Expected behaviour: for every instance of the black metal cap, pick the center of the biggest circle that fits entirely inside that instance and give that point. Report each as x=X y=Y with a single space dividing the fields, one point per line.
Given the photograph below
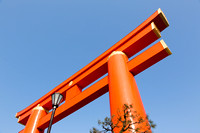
x=56 y=99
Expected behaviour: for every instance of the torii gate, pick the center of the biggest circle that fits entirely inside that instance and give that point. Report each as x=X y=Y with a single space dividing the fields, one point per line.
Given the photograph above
x=120 y=81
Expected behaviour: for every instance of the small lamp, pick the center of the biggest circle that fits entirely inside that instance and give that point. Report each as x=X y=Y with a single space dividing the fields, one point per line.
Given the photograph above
x=56 y=99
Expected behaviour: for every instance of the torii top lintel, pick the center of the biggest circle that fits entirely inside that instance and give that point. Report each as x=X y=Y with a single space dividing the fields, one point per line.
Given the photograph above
x=142 y=36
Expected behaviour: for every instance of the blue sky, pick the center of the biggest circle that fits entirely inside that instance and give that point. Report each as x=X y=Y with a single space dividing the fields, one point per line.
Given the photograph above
x=42 y=43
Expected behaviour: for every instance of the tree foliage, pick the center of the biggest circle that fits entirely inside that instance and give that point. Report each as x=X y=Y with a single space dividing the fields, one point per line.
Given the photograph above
x=125 y=120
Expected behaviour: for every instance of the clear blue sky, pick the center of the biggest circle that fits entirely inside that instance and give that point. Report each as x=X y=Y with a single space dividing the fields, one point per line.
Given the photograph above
x=43 y=42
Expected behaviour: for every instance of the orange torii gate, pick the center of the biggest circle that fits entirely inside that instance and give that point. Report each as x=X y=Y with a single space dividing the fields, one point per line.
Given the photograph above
x=120 y=80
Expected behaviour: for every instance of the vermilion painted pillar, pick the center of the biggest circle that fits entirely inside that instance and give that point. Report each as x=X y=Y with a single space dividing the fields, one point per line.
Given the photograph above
x=122 y=88
x=31 y=126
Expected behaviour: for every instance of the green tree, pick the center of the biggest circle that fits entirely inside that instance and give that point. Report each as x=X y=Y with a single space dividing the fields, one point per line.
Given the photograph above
x=124 y=121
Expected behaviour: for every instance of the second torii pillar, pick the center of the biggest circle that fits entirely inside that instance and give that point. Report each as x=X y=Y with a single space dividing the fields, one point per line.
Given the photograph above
x=31 y=126
x=123 y=88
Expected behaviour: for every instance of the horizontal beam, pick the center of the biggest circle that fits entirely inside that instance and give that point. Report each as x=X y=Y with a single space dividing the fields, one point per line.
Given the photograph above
x=92 y=71
x=148 y=58
x=158 y=51
x=131 y=47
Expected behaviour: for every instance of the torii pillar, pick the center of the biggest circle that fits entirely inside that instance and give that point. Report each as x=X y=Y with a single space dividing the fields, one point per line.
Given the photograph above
x=123 y=89
x=31 y=126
